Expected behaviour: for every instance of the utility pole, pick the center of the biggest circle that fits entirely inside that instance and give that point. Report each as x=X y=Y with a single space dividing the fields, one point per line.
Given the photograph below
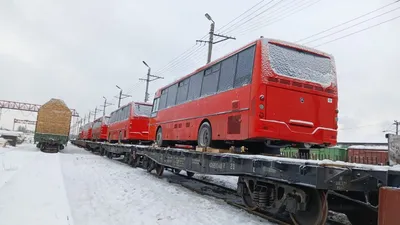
x=95 y=113
x=148 y=80
x=397 y=126
x=106 y=104
x=211 y=38
x=121 y=96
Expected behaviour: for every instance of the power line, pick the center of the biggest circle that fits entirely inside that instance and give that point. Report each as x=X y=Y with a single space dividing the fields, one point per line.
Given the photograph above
x=276 y=11
x=356 y=32
x=314 y=40
x=227 y=30
x=262 y=12
x=221 y=29
x=277 y=19
x=347 y=21
x=189 y=51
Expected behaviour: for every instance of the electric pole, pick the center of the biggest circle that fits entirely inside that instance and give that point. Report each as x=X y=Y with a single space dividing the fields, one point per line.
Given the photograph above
x=148 y=80
x=397 y=126
x=106 y=104
x=95 y=113
x=121 y=96
x=211 y=38
x=90 y=113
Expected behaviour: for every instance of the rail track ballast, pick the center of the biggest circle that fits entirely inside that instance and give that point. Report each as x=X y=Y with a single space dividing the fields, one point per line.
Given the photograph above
x=302 y=191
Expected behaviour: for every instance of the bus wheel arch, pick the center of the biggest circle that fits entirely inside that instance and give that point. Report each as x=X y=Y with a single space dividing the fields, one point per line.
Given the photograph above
x=204 y=134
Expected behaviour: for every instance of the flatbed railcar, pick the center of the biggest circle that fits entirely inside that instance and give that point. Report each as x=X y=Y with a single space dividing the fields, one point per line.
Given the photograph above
x=301 y=189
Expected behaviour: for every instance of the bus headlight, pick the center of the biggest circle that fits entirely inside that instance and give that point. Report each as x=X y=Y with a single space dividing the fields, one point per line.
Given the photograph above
x=261 y=106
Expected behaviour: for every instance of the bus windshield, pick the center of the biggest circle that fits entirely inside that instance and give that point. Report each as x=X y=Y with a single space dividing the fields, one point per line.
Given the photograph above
x=302 y=65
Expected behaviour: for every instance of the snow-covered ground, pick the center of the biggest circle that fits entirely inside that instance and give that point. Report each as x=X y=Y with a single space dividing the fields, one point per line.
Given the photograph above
x=76 y=187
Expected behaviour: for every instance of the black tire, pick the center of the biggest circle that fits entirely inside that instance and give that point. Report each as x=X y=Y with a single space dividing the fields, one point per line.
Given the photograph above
x=204 y=136
x=159 y=140
x=120 y=138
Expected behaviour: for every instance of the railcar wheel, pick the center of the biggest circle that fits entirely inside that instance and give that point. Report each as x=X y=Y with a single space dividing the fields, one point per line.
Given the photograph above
x=127 y=158
x=176 y=171
x=159 y=170
x=151 y=166
x=246 y=196
x=189 y=174
x=204 y=136
x=317 y=210
x=135 y=161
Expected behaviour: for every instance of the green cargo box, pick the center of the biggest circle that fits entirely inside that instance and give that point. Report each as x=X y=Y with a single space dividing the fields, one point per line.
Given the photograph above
x=294 y=153
x=334 y=154
x=45 y=138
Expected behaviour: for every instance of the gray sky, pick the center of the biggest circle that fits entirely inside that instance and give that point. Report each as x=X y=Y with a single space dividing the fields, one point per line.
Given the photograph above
x=79 y=50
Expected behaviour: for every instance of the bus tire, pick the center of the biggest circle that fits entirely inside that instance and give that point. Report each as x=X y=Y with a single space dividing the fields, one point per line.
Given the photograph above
x=159 y=140
x=120 y=137
x=204 y=136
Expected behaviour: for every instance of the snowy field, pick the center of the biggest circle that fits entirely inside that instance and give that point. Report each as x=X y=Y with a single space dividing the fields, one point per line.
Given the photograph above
x=76 y=187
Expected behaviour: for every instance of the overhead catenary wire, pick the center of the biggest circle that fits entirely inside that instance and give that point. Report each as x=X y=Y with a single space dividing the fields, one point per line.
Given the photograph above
x=178 y=64
x=358 y=17
x=186 y=54
x=356 y=32
x=257 y=15
x=354 y=25
x=268 y=23
x=248 y=10
x=275 y=11
x=227 y=29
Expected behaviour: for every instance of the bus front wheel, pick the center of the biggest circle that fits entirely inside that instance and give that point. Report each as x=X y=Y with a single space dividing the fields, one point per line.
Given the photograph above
x=204 y=135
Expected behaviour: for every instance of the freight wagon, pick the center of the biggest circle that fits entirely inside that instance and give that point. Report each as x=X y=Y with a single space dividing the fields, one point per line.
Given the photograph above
x=298 y=191
x=52 y=126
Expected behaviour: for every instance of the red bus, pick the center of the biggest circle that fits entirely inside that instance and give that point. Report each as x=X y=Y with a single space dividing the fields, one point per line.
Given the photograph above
x=268 y=93
x=87 y=131
x=130 y=123
x=100 y=129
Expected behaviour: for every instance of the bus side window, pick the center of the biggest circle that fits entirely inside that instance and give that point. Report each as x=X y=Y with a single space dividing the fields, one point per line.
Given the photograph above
x=183 y=87
x=228 y=70
x=172 y=91
x=210 y=80
x=195 y=86
x=163 y=99
x=244 y=67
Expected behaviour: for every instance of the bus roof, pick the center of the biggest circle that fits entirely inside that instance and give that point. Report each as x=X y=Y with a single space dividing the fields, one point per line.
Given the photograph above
x=129 y=103
x=275 y=41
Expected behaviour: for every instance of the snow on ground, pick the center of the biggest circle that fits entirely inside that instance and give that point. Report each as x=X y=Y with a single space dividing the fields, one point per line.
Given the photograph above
x=76 y=187
x=225 y=181
x=32 y=189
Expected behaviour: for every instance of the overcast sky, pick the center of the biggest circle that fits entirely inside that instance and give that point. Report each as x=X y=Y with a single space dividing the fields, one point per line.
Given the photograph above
x=79 y=50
